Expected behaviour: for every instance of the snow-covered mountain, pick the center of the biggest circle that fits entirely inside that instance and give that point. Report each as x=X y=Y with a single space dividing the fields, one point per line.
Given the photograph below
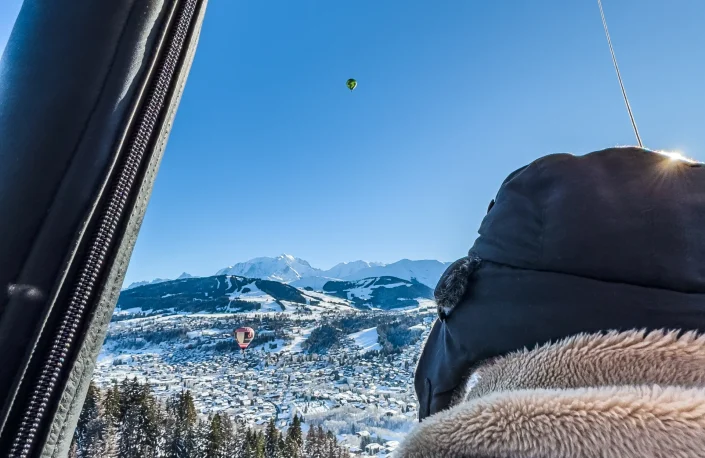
x=289 y=269
x=284 y=268
x=379 y=292
x=228 y=294
x=299 y=273
x=345 y=269
x=316 y=283
x=223 y=294
x=156 y=281
x=427 y=272
x=144 y=283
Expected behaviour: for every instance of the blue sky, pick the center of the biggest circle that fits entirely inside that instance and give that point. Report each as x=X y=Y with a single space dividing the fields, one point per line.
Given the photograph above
x=270 y=152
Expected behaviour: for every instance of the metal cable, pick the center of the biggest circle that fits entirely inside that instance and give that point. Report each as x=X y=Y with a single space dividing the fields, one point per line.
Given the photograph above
x=619 y=76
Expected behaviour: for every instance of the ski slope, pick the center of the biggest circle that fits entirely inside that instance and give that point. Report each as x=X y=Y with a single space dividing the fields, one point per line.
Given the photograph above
x=367 y=340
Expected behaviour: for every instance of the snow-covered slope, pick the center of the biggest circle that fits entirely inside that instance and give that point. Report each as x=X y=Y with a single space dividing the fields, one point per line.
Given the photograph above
x=367 y=339
x=143 y=283
x=232 y=294
x=284 y=268
x=427 y=272
x=137 y=284
x=315 y=283
x=380 y=292
x=345 y=269
x=224 y=294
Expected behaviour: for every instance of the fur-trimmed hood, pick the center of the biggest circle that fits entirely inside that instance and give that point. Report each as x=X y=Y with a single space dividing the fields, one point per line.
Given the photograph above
x=621 y=395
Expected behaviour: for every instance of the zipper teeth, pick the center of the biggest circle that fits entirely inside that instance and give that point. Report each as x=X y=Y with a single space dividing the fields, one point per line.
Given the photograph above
x=102 y=241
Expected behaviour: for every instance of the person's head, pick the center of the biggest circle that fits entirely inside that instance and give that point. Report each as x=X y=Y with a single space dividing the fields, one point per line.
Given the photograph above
x=613 y=240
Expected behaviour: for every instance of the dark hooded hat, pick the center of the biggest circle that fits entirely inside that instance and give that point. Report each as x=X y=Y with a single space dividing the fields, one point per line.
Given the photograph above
x=612 y=240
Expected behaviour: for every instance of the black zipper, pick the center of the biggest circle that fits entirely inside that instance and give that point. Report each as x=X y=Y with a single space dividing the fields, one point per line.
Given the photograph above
x=101 y=244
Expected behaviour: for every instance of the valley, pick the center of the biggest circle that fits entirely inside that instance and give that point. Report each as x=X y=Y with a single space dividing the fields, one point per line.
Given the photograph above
x=341 y=355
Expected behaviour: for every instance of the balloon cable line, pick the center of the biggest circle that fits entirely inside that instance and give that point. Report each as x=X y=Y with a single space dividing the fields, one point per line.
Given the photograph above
x=619 y=76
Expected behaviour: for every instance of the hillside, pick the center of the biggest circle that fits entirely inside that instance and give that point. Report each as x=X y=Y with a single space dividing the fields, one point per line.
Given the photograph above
x=379 y=292
x=427 y=272
x=213 y=294
x=137 y=284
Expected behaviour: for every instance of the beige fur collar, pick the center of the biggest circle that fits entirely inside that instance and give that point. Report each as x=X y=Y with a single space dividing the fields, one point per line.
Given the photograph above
x=628 y=395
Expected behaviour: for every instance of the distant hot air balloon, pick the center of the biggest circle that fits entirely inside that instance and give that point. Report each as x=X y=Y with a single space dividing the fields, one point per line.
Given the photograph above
x=351 y=84
x=244 y=336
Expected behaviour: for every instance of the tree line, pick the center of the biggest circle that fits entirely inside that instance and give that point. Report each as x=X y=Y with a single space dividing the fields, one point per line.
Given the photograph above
x=127 y=421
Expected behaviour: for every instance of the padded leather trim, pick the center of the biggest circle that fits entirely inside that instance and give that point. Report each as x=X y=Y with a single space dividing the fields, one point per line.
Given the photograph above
x=71 y=403
x=61 y=115
x=72 y=99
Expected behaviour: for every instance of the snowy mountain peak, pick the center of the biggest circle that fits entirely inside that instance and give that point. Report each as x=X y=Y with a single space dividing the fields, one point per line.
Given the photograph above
x=184 y=276
x=143 y=283
x=284 y=268
x=287 y=269
x=345 y=269
x=292 y=259
x=427 y=272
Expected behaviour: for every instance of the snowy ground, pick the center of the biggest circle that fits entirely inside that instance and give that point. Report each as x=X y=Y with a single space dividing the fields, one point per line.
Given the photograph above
x=364 y=289
x=367 y=340
x=300 y=335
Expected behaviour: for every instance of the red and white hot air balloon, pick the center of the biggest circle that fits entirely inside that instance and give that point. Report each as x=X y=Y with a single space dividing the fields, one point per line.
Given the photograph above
x=244 y=336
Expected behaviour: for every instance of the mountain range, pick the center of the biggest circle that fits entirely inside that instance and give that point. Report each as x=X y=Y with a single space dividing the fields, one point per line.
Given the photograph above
x=157 y=280
x=286 y=283
x=299 y=272
x=231 y=294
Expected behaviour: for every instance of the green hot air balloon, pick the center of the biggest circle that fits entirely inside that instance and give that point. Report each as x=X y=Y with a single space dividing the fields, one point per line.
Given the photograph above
x=351 y=84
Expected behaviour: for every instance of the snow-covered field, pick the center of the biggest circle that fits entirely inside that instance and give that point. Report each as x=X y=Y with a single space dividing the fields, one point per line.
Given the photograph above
x=364 y=289
x=367 y=340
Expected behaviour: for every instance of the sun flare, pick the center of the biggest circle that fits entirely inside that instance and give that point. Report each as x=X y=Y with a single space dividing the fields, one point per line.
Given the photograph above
x=676 y=156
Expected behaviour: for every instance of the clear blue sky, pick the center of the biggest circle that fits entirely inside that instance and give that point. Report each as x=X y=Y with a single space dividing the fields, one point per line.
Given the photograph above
x=270 y=152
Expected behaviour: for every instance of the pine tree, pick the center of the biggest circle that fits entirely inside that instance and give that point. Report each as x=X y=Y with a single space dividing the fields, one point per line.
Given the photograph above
x=248 y=446
x=218 y=439
x=331 y=445
x=139 y=429
x=260 y=445
x=128 y=393
x=201 y=442
x=294 y=439
x=180 y=424
x=90 y=433
x=312 y=443
x=232 y=438
x=283 y=448
x=111 y=404
x=321 y=436
x=151 y=420
x=272 y=440
x=111 y=410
